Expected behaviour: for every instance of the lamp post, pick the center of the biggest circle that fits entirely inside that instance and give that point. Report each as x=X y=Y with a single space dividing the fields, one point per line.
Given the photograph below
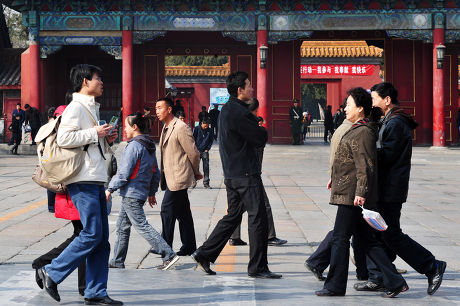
x=440 y=51
x=263 y=56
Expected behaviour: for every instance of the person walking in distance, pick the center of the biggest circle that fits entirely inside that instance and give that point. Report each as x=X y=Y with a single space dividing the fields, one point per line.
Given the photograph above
x=86 y=190
x=180 y=163
x=19 y=111
x=137 y=179
x=394 y=150
x=328 y=123
x=214 y=116
x=32 y=117
x=240 y=135
x=204 y=138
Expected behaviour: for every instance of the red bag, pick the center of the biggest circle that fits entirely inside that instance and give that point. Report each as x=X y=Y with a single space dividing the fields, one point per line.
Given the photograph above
x=64 y=208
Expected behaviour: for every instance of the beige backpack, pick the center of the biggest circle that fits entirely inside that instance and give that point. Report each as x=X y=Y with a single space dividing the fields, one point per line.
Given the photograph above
x=59 y=164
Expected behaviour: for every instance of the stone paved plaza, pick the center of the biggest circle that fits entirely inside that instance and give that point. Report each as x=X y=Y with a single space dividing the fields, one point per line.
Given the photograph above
x=295 y=178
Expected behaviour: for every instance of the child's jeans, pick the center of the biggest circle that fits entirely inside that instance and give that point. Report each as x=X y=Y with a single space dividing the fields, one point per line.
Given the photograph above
x=132 y=213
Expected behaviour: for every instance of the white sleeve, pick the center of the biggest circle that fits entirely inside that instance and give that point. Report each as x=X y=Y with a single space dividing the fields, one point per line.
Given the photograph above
x=70 y=133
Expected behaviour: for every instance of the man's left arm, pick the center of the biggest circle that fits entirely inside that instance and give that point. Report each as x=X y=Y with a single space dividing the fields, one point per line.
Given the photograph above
x=186 y=140
x=209 y=140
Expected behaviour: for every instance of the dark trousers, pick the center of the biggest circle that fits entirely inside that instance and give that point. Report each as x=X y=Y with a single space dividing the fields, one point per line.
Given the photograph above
x=296 y=133
x=214 y=128
x=349 y=220
x=46 y=259
x=243 y=194
x=51 y=200
x=205 y=158
x=419 y=258
x=33 y=133
x=16 y=139
x=328 y=129
x=321 y=258
x=270 y=223
x=176 y=206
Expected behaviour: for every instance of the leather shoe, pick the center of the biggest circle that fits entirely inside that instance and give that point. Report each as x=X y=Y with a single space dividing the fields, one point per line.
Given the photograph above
x=368 y=286
x=183 y=253
x=319 y=275
x=394 y=292
x=276 y=241
x=435 y=277
x=325 y=292
x=266 y=274
x=106 y=300
x=204 y=264
x=49 y=284
x=236 y=241
x=38 y=279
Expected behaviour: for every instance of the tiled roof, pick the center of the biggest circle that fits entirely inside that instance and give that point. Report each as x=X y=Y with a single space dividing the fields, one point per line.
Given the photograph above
x=203 y=71
x=10 y=67
x=339 y=49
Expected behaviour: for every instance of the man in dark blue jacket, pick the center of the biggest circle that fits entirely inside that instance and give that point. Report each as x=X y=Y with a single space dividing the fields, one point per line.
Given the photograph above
x=204 y=136
x=239 y=135
x=20 y=112
x=394 y=152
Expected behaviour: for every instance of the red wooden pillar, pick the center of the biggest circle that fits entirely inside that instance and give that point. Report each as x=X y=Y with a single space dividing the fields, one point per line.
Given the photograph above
x=262 y=40
x=34 y=62
x=438 y=91
x=127 y=75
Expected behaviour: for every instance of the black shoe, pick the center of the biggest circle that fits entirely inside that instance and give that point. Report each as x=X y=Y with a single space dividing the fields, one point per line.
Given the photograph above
x=38 y=279
x=204 y=264
x=319 y=275
x=207 y=187
x=266 y=274
x=49 y=284
x=183 y=253
x=435 y=278
x=325 y=292
x=106 y=300
x=276 y=241
x=368 y=286
x=362 y=277
x=394 y=292
x=236 y=241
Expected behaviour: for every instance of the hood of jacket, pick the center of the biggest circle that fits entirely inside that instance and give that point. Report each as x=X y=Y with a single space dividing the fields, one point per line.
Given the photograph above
x=146 y=141
x=398 y=111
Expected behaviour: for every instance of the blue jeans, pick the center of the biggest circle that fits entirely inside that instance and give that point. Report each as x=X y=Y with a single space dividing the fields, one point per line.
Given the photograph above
x=132 y=213
x=91 y=245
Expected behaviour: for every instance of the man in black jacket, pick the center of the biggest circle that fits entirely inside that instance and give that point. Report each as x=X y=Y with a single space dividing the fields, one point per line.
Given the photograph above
x=239 y=135
x=33 y=119
x=328 y=123
x=394 y=152
x=295 y=121
x=204 y=137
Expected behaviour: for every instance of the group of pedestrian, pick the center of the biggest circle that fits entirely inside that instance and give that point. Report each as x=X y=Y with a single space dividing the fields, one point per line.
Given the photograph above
x=21 y=119
x=370 y=168
x=360 y=149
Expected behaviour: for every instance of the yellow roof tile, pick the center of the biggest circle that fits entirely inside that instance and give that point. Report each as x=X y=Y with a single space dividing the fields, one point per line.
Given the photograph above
x=357 y=48
x=206 y=71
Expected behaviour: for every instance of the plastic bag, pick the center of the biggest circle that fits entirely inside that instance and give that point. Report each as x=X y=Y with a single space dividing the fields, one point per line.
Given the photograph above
x=27 y=128
x=374 y=219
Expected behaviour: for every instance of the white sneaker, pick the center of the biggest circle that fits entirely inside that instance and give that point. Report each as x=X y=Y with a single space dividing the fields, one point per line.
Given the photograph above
x=169 y=263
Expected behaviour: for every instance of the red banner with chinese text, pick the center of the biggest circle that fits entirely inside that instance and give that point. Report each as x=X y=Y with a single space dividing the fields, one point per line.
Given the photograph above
x=334 y=70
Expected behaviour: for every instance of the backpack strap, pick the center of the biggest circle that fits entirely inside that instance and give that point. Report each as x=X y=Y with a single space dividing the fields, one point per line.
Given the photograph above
x=95 y=124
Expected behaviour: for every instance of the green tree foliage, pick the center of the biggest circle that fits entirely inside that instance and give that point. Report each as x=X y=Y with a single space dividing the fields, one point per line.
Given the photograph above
x=312 y=96
x=17 y=31
x=195 y=60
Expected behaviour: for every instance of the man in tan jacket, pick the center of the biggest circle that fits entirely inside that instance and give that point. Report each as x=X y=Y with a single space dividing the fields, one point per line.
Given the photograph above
x=180 y=161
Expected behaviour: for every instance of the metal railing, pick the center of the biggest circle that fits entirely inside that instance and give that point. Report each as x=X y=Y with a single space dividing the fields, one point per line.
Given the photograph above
x=315 y=130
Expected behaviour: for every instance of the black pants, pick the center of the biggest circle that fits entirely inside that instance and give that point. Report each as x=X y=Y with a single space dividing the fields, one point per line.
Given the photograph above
x=51 y=200
x=243 y=194
x=17 y=138
x=214 y=129
x=33 y=133
x=270 y=223
x=46 y=259
x=205 y=158
x=419 y=258
x=321 y=258
x=296 y=133
x=349 y=220
x=328 y=129
x=176 y=206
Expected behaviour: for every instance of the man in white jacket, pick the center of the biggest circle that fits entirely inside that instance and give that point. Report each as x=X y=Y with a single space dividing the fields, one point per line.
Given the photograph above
x=79 y=128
